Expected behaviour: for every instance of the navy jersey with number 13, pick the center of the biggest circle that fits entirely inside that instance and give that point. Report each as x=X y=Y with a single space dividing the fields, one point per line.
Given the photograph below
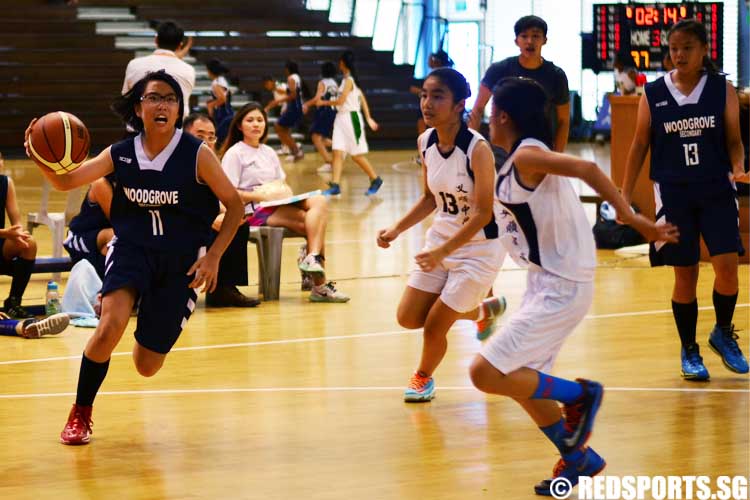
x=160 y=203
x=687 y=132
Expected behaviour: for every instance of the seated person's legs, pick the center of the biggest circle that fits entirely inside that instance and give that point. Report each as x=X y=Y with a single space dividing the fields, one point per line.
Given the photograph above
x=18 y=255
x=232 y=271
x=309 y=217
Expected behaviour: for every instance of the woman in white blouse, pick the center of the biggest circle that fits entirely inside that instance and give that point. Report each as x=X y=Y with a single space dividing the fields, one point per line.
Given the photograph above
x=254 y=169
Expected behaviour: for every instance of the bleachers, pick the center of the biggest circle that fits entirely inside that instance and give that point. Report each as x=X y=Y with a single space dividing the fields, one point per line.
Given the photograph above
x=56 y=60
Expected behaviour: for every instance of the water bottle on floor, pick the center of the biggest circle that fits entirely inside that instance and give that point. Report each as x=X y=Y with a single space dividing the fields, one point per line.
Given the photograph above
x=52 y=304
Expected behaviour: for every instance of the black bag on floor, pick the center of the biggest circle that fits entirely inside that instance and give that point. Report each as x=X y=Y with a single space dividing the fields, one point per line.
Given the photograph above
x=609 y=234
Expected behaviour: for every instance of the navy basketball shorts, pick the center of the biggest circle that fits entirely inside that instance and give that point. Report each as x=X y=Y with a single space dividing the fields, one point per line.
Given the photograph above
x=160 y=281
x=82 y=246
x=707 y=209
x=323 y=121
x=292 y=116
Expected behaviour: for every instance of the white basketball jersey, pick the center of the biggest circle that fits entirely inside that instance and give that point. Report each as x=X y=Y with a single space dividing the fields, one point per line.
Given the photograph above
x=546 y=226
x=352 y=100
x=451 y=181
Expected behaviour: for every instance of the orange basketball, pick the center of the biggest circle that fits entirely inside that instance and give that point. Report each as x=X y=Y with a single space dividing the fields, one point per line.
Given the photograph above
x=59 y=141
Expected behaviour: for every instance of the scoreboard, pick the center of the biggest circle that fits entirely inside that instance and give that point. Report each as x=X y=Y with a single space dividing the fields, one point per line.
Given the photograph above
x=641 y=29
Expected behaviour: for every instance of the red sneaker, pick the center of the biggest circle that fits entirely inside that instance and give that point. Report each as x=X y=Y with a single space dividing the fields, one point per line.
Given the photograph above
x=78 y=428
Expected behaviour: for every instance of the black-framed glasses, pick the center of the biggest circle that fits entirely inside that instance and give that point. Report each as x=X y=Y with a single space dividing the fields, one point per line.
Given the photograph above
x=155 y=99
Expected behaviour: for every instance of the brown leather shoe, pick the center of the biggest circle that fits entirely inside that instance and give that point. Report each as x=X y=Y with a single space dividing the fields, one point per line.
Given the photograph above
x=229 y=296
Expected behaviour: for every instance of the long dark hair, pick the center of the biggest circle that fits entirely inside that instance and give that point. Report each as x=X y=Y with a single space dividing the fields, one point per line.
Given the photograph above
x=347 y=57
x=235 y=130
x=698 y=30
x=125 y=104
x=527 y=103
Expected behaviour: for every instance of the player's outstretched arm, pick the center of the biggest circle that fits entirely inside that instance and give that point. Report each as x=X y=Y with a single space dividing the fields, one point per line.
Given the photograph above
x=89 y=171
x=540 y=161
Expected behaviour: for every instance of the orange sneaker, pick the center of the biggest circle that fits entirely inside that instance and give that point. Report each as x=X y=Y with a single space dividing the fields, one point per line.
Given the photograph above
x=419 y=389
x=78 y=428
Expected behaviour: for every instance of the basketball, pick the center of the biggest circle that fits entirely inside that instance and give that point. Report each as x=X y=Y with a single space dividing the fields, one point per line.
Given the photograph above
x=59 y=141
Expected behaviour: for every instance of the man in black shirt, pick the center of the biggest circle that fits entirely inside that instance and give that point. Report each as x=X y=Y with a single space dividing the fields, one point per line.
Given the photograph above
x=531 y=35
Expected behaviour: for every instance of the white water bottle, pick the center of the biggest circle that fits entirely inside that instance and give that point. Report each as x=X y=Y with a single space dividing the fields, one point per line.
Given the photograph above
x=52 y=304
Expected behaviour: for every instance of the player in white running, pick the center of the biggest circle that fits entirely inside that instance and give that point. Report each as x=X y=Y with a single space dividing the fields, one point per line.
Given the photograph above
x=462 y=255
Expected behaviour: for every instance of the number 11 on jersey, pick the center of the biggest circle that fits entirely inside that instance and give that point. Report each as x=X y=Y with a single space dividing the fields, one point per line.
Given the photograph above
x=691 y=154
x=156 y=224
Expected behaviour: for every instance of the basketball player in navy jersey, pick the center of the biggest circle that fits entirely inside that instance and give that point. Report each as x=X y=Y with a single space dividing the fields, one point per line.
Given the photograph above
x=90 y=231
x=462 y=256
x=168 y=183
x=690 y=120
x=538 y=213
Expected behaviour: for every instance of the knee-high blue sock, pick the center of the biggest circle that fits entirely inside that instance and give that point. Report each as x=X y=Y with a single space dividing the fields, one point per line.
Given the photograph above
x=559 y=389
x=555 y=433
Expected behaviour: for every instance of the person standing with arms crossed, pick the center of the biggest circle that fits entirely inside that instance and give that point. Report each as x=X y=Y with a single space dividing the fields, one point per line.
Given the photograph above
x=689 y=118
x=168 y=189
x=531 y=36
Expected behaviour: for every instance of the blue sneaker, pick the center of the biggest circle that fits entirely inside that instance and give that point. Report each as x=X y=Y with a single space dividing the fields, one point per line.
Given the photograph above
x=494 y=307
x=724 y=343
x=580 y=415
x=333 y=190
x=692 y=364
x=420 y=389
x=374 y=186
x=565 y=475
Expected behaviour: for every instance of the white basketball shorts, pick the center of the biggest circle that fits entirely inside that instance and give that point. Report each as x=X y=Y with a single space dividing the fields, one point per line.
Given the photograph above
x=550 y=310
x=465 y=276
x=349 y=133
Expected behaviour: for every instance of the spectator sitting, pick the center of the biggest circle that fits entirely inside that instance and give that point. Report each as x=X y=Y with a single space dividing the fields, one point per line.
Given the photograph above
x=18 y=249
x=90 y=232
x=252 y=167
x=233 y=264
x=170 y=41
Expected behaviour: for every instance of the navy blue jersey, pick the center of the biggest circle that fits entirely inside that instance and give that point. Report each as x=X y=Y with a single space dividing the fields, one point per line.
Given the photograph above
x=160 y=203
x=90 y=217
x=687 y=132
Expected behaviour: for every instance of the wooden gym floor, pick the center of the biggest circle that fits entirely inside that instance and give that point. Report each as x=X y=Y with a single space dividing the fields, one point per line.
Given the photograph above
x=300 y=400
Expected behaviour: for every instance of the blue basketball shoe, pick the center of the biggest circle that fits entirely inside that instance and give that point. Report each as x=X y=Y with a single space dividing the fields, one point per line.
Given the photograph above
x=723 y=341
x=565 y=475
x=580 y=414
x=374 y=186
x=692 y=364
x=420 y=389
x=334 y=189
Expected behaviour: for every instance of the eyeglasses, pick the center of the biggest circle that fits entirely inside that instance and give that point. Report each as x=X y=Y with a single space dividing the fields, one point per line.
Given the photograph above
x=211 y=139
x=155 y=99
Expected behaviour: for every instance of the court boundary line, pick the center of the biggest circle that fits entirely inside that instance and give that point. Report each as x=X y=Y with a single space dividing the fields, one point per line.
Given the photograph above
x=323 y=339
x=250 y=390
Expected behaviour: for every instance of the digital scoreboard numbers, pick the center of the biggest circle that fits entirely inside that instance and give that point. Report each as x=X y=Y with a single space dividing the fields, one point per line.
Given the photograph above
x=641 y=29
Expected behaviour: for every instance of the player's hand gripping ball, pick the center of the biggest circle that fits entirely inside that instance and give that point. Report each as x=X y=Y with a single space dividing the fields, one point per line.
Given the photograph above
x=59 y=141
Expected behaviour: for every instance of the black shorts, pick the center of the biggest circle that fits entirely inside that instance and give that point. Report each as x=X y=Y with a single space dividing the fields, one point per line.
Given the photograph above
x=323 y=121
x=292 y=116
x=82 y=246
x=707 y=209
x=160 y=280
